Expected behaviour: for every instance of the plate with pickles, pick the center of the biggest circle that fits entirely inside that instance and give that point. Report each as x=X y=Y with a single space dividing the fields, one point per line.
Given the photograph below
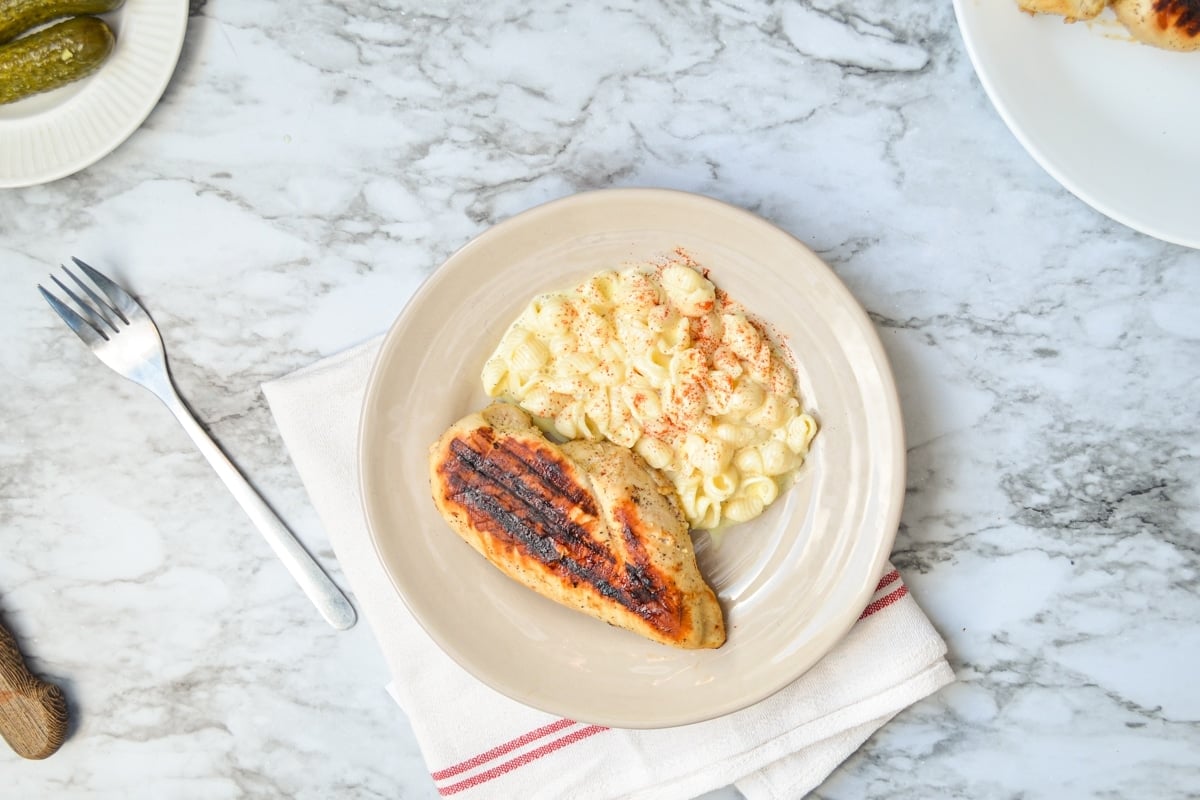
x=77 y=77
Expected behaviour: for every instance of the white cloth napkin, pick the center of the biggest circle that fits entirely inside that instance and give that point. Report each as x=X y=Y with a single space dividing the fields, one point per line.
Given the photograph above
x=479 y=744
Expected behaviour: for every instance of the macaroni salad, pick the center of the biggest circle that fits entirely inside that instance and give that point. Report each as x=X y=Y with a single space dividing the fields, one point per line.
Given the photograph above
x=662 y=362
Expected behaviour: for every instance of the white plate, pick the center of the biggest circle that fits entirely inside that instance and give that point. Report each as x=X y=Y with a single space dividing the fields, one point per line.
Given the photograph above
x=55 y=134
x=791 y=582
x=1114 y=121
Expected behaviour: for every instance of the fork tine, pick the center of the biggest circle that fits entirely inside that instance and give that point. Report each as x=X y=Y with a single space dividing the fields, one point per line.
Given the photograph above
x=101 y=306
x=120 y=298
x=97 y=318
x=83 y=329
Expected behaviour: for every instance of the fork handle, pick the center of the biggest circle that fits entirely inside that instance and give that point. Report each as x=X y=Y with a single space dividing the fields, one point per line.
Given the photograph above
x=322 y=591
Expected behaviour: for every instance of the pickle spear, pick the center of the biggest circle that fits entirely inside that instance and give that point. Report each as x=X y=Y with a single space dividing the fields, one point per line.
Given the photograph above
x=53 y=57
x=18 y=16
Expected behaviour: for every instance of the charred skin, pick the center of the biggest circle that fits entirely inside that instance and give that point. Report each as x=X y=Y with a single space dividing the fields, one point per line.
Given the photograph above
x=533 y=511
x=1170 y=24
x=522 y=497
x=1183 y=15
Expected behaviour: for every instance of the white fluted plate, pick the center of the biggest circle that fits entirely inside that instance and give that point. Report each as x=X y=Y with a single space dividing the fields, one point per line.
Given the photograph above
x=791 y=582
x=56 y=134
x=1115 y=122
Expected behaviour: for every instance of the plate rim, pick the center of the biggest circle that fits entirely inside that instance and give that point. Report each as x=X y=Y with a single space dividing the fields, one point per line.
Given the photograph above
x=982 y=69
x=153 y=90
x=889 y=392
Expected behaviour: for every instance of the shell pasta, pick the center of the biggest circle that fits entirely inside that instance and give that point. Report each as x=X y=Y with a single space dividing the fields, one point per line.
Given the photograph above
x=660 y=361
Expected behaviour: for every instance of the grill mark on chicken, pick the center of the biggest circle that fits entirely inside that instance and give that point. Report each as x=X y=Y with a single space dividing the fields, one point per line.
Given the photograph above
x=504 y=470
x=524 y=497
x=520 y=458
x=639 y=570
x=1183 y=15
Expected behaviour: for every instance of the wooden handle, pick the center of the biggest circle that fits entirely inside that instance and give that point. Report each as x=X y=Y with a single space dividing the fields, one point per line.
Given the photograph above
x=33 y=713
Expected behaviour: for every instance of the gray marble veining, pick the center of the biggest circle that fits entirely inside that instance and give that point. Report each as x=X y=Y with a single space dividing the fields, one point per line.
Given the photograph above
x=309 y=165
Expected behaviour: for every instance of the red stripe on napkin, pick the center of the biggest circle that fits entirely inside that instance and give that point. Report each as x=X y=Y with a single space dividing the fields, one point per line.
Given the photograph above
x=891 y=577
x=884 y=602
x=507 y=747
x=520 y=761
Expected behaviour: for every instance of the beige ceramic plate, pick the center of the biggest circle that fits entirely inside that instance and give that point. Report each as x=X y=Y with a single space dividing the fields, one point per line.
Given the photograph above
x=55 y=134
x=791 y=582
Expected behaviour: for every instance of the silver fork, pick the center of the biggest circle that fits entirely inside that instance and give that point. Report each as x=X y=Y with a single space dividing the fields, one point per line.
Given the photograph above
x=123 y=336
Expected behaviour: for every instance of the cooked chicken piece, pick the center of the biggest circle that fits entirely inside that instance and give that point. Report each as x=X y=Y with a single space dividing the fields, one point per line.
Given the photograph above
x=1170 y=24
x=1071 y=9
x=586 y=524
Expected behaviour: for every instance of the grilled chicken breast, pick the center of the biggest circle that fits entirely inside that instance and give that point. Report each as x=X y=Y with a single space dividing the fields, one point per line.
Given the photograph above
x=1170 y=24
x=586 y=524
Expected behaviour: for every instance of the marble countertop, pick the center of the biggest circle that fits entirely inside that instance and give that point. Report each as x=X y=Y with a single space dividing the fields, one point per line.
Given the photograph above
x=310 y=164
